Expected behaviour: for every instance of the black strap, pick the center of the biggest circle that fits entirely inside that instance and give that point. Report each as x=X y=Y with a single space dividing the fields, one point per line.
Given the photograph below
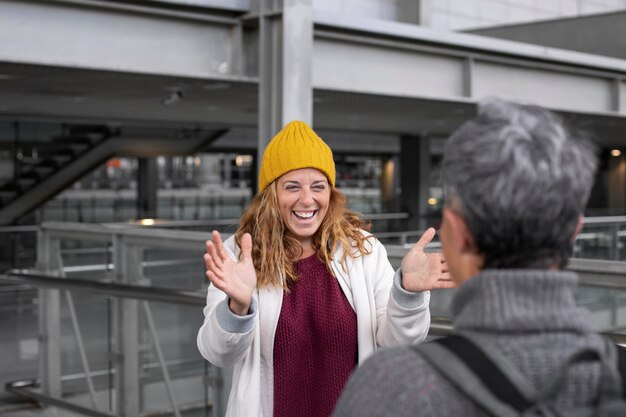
x=621 y=365
x=488 y=373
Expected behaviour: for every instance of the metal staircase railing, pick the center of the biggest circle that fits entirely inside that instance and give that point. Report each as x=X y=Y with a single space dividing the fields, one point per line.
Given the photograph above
x=79 y=154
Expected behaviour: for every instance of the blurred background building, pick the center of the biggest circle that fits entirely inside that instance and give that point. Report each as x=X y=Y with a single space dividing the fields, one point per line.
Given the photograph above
x=128 y=129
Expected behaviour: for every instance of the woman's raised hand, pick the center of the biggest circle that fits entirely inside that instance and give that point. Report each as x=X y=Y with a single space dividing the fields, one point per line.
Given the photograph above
x=423 y=271
x=236 y=279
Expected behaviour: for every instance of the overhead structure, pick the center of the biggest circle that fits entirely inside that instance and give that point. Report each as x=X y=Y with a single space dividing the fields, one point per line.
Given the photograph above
x=219 y=64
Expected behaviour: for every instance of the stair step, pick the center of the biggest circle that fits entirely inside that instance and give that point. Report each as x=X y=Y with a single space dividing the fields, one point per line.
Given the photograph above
x=75 y=140
x=79 y=148
x=43 y=170
x=62 y=158
x=91 y=130
x=11 y=187
x=8 y=193
x=26 y=183
x=48 y=163
x=31 y=174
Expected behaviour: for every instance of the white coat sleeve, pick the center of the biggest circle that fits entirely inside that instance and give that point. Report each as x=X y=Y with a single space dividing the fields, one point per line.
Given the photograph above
x=224 y=337
x=403 y=317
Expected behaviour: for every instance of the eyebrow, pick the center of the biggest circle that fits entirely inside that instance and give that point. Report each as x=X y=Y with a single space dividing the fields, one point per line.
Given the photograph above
x=316 y=182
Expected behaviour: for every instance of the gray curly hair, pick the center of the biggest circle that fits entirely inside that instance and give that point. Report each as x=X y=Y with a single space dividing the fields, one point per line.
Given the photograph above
x=520 y=178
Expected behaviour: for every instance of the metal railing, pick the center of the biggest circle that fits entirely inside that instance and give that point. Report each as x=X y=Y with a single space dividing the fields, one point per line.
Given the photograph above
x=132 y=333
x=106 y=289
x=118 y=264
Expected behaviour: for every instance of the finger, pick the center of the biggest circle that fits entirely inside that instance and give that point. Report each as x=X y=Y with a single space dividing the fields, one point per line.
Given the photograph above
x=212 y=252
x=246 y=247
x=428 y=235
x=211 y=266
x=219 y=246
x=207 y=261
x=219 y=284
x=444 y=284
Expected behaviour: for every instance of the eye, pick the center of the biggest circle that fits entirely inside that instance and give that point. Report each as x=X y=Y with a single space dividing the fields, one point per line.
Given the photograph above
x=319 y=187
x=291 y=187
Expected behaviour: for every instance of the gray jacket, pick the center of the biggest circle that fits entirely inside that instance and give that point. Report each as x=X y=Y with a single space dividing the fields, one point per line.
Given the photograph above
x=527 y=316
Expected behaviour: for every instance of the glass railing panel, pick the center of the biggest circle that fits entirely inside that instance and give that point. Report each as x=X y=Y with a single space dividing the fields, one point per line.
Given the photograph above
x=90 y=260
x=166 y=268
x=606 y=306
x=172 y=366
x=19 y=327
x=86 y=343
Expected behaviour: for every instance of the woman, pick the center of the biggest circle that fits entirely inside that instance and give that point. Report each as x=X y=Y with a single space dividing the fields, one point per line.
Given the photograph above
x=301 y=294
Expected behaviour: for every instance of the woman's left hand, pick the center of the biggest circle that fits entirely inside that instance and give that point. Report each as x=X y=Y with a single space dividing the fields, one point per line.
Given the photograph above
x=423 y=271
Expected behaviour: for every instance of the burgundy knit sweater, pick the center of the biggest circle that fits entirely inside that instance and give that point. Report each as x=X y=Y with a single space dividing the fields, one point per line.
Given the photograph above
x=315 y=347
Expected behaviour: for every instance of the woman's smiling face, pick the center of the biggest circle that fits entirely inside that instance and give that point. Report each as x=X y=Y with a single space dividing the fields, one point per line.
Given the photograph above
x=303 y=196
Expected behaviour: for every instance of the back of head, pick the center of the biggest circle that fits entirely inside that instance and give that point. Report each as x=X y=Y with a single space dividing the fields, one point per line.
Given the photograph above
x=520 y=178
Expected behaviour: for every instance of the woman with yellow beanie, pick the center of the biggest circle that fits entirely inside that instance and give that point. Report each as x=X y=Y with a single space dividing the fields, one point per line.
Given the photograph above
x=301 y=295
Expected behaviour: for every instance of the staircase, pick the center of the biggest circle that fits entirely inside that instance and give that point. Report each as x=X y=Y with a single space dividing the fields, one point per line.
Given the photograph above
x=63 y=150
x=77 y=153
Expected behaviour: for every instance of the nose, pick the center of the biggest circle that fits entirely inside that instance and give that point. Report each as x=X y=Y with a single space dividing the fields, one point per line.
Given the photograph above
x=306 y=198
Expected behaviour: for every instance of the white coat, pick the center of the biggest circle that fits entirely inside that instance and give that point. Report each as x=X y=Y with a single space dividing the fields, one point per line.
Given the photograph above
x=246 y=342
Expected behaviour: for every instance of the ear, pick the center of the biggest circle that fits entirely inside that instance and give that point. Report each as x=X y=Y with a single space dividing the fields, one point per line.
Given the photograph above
x=579 y=227
x=459 y=232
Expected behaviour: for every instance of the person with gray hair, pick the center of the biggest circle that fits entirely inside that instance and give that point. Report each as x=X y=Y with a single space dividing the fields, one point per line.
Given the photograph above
x=516 y=182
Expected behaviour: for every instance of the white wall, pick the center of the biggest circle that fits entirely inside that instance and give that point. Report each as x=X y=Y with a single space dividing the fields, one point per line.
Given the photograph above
x=466 y=14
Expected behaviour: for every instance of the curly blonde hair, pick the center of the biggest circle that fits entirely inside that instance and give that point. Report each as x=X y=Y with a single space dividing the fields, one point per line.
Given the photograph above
x=275 y=249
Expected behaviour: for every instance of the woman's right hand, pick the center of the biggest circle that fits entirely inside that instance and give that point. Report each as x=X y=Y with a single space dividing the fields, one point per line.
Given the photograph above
x=236 y=279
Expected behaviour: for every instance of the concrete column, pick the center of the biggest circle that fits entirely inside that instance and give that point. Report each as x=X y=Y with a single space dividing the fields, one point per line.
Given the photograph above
x=285 y=66
x=49 y=318
x=210 y=169
x=411 y=11
x=424 y=11
x=126 y=328
x=147 y=186
x=617 y=184
x=388 y=184
x=415 y=179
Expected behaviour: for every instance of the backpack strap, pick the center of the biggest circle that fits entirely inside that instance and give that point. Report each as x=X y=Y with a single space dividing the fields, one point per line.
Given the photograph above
x=468 y=368
x=621 y=366
x=494 y=384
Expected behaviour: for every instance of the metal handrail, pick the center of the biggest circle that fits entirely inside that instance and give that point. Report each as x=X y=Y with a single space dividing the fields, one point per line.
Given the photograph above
x=25 y=389
x=104 y=287
x=124 y=249
x=440 y=326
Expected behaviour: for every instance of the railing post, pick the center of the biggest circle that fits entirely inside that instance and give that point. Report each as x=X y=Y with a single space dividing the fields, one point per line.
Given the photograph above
x=127 y=387
x=615 y=243
x=49 y=318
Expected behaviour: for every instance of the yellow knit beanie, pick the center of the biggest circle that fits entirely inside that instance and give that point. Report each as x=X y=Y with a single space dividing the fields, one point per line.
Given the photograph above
x=296 y=146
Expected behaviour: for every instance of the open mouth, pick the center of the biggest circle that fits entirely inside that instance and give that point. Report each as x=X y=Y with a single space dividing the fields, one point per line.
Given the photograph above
x=304 y=215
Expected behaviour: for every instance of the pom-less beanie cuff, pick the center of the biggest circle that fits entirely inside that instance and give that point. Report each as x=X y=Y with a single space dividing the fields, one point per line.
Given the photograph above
x=296 y=146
